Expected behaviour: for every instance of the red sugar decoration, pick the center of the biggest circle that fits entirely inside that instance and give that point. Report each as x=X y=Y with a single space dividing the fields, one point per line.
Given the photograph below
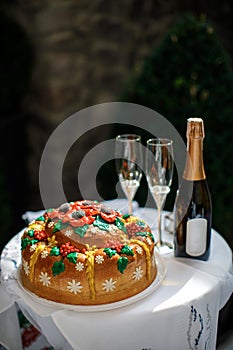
x=68 y=248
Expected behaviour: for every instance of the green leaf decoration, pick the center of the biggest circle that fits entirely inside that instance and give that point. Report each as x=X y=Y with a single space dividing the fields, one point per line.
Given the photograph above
x=30 y=233
x=120 y=224
x=126 y=216
x=151 y=236
x=58 y=267
x=141 y=224
x=40 y=218
x=72 y=257
x=101 y=223
x=34 y=241
x=55 y=251
x=50 y=210
x=26 y=241
x=110 y=252
x=81 y=230
x=142 y=234
x=122 y=263
x=145 y=234
x=59 y=226
x=127 y=250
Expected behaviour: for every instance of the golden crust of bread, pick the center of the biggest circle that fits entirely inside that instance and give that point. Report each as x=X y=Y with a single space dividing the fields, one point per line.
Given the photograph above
x=75 y=255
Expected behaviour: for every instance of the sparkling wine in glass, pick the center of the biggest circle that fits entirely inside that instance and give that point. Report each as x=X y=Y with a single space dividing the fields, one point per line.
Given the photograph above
x=128 y=156
x=159 y=173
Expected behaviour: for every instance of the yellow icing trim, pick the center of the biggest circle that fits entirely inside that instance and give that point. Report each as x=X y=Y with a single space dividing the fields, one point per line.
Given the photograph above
x=90 y=272
x=36 y=226
x=130 y=219
x=52 y=241
x=147 y=251
x=34 y=258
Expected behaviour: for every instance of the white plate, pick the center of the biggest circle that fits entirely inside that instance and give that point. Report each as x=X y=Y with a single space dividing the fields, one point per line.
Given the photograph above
x=161 y=272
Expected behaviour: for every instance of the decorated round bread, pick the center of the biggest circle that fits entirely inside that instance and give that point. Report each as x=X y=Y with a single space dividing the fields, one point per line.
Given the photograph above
x=84 y=253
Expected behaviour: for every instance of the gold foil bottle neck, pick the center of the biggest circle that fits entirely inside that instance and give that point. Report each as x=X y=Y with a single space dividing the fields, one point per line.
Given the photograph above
x=195 y=128
x=194 y=168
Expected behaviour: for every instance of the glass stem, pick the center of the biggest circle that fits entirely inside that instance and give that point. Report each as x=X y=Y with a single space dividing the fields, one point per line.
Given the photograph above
x=159 y=243
x=130 y=207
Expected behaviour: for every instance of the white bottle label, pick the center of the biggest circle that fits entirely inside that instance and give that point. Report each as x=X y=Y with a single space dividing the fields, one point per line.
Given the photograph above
x=196 y=233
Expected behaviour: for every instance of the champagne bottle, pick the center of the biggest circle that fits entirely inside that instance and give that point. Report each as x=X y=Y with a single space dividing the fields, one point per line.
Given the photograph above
x=193 y=207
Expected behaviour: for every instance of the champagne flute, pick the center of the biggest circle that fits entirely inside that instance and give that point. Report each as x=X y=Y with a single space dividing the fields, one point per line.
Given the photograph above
x=159 y=173
x=128 y=155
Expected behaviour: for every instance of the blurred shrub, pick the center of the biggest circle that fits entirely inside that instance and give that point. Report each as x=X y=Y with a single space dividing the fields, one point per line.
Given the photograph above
x=190 y=75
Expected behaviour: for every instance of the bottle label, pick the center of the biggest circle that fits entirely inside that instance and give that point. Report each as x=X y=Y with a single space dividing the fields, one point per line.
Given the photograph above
x=196 y=234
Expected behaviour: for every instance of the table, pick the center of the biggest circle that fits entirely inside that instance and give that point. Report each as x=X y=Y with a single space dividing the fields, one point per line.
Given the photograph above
x=181 y=314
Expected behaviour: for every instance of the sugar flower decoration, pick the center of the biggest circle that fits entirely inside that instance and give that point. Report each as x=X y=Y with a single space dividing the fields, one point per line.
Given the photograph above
x=44 y=279
x=109 y=285
x=26 y=267
x=137 y=275
x=74 y=287
x=79 y=266
x=99 y=259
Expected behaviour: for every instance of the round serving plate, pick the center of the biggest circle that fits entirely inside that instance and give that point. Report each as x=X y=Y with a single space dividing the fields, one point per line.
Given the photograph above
x=161 y=273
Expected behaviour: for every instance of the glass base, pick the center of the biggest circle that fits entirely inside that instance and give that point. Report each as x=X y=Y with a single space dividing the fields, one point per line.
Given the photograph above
x=164 y=248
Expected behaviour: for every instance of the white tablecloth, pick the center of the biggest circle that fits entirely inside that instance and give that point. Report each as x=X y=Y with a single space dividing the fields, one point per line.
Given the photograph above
x=181 y=314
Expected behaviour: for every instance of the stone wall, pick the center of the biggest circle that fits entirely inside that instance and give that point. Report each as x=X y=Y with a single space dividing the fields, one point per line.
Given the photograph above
x=85 y=52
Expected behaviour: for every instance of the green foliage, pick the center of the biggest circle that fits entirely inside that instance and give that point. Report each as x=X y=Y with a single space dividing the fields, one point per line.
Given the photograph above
x=81 y=231
x=127 y=250
x=59 y=226
x=58 y=267
x=55 y=251
x=101 y=223
x=110 y=252
x=120 y=224
x=72 y=257
x=122 y=263
x=190 y=74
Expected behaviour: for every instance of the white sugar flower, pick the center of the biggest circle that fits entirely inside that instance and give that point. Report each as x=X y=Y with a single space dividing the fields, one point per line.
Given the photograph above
x=137 y=275
x=94 y=230
x=26 y=267
x=74 y=287
x=99 y=259
x=149 y=241
x=44 y=254
x=68 y=233
x=139 y=250
x=79 y=266
x=109 y=285
x=50 y=224
x=44 y=279
x=33 y=247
